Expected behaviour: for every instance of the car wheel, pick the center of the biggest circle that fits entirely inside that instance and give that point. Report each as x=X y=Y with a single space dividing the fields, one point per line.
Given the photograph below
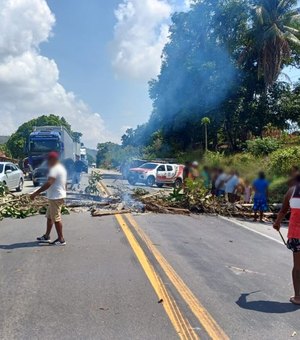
x=20 y=187
x=178 y=183
x=160 y=185
x=150 y=181
x=132 y=179
x=36 y=184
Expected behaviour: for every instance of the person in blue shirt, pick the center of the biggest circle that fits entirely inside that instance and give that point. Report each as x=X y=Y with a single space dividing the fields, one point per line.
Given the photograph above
x=261 y=188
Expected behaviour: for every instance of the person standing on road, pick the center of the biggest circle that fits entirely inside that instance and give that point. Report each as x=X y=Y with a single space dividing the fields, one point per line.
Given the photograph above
x=231 y=186
x=206 y=178
x=292 y=202
x=78 y=168
x=194 y=171
x=56 y=193
x=260 y=186
x=186 y=173
x=221 y=183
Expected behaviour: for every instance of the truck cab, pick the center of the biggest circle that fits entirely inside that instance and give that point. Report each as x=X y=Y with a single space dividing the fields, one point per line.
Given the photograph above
x=45 y=139
x=40 y=144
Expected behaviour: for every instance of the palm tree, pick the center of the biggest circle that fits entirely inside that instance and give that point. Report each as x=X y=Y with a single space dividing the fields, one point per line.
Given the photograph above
x=205 y=121
x=275 y=33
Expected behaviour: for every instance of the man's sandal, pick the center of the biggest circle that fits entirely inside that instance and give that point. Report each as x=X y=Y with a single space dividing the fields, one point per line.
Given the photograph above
x=295 y=301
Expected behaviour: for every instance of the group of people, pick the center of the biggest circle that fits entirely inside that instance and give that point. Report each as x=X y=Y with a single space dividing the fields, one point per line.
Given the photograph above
x=232 y=187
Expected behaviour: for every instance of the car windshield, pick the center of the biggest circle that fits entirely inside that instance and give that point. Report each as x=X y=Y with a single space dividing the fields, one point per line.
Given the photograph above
x=1 y=168
x=149 y=166
x=44 y=145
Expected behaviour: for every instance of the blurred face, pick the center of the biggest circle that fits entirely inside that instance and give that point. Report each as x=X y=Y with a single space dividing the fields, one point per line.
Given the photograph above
x=52 y=162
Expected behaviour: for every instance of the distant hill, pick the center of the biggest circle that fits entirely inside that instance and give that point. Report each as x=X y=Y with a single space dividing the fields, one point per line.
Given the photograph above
x=4 y=139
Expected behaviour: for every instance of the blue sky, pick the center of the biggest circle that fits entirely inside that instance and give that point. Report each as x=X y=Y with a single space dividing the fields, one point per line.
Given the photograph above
x=81 y=46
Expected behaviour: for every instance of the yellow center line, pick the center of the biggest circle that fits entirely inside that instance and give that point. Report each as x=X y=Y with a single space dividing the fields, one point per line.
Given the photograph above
x=181 y=325
x=206 y=320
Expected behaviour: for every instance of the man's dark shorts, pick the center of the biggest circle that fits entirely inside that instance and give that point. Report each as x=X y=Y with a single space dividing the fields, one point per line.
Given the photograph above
x=294 y=245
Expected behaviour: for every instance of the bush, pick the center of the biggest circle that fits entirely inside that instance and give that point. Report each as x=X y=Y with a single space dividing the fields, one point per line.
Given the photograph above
x=214 y=159
x=281 y=161
x=278 y=189
x=263 y=146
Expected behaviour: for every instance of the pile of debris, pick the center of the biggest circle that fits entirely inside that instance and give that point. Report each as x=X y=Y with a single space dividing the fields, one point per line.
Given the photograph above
x=19 y=206
x=186 y=203
x=195 y=199
x=22 y=206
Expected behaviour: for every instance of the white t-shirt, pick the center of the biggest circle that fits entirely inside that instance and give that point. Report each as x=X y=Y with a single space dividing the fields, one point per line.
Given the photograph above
x=58 y=188
x=231 y=184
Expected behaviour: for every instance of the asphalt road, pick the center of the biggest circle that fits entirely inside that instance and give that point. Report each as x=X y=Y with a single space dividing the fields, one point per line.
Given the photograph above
x=217 y=279
x=113 y=179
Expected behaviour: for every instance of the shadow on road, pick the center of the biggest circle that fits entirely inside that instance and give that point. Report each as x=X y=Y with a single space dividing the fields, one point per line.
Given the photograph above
x=112 y=176
x=19 y=245
x=271 y=307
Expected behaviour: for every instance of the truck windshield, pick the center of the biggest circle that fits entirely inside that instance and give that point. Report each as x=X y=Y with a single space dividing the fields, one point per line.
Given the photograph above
x=149 y=166
x=44 y=145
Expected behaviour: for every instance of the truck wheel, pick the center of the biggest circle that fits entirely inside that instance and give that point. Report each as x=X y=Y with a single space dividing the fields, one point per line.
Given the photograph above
x=159 y=185
x=132 y=179
x=150 y=181
x=178 y=183
x=20 y=187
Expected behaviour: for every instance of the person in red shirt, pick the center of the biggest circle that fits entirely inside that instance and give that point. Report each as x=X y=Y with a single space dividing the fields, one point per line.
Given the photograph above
x=292 y=202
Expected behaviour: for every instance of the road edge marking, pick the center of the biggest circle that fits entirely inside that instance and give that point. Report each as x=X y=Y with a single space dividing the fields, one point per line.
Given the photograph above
x=180 y=324
x=250 y=229
x=204 y=317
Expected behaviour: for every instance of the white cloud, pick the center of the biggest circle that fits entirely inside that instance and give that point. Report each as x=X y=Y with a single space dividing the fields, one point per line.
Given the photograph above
x=141 y=33
x=29 y=82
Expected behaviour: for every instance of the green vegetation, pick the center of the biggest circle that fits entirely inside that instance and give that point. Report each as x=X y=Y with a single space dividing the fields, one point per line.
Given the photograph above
x=222 y=63
x=281 y=161
x=263 y=146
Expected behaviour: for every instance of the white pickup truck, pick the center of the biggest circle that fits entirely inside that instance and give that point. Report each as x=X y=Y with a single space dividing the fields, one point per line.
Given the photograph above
x=157 y=173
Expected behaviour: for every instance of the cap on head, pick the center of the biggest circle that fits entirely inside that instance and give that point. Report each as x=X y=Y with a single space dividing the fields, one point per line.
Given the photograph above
x=53 y=155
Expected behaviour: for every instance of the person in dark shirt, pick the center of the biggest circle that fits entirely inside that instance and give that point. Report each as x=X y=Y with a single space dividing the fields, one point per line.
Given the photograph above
x=186 y=173
x=78 y=168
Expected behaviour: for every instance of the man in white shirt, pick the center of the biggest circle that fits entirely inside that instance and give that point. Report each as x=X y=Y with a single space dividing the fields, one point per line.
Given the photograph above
x=56 y=193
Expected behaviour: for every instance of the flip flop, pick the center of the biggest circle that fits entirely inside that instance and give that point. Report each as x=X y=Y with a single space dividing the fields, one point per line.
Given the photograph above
x=293 y=300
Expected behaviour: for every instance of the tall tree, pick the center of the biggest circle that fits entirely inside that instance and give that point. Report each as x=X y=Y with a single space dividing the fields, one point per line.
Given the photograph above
x=274 y=34
x=205 y=121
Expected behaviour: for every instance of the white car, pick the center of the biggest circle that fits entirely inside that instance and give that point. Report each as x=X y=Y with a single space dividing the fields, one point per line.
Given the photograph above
x=11 y=176
x=157 y=173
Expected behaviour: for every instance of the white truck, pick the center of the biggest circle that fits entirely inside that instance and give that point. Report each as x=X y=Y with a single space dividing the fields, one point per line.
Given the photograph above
x=157 y=173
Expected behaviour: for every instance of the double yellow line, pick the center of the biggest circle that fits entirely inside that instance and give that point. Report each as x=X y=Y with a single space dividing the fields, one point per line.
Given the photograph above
x=203 y=316
x=181 y=325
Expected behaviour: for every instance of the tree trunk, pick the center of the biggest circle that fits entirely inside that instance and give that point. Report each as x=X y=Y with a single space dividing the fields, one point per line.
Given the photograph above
x=206 y=141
